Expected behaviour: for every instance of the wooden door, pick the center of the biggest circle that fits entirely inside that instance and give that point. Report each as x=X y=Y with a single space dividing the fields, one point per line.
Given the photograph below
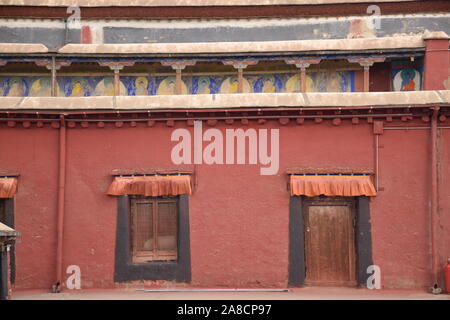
x=329 y=243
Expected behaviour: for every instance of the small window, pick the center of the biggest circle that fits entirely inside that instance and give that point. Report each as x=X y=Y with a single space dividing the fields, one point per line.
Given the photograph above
x=154 y=231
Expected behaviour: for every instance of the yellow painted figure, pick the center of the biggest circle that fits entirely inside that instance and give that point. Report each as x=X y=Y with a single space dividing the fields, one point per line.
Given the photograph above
x=141 y=84
x=204 y=83
x=78 y=85
x=41 y=87
x=231 y=84
x=333 y=82
x=106 y=87
x=269 y=85
x=293 y=84
x=16 y=87
x=167 y=87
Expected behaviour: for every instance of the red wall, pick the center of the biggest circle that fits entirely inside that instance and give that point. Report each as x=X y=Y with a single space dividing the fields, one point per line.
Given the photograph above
x=238 y=218
x=444 y=197
x=400 y=213
x=437 y=64
x=32 y=154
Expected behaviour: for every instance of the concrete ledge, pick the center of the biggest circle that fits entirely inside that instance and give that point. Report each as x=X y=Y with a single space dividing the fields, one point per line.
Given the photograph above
x=229 y=101
x=407 y=42
x=69 y=103
x=170 y=3
x=23 y=48
x=435 y=35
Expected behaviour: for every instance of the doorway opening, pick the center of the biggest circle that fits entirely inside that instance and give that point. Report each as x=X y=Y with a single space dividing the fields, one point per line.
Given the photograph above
x=329 y=241
x=329 y=232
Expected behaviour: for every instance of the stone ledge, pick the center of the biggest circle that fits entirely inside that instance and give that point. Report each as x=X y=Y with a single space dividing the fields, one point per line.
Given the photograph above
x=171 y=3
x=23 y=48
x=229 y=101
x=407 y=42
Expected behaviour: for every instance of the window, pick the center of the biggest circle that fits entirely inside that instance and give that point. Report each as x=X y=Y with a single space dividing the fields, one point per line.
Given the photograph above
x=154 y=229
x=152 y=238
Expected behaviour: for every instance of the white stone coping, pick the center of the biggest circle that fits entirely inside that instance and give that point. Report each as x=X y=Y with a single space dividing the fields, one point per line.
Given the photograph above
x=171 y=3
x=23 y=48
x=229 y=101
x=406 y=42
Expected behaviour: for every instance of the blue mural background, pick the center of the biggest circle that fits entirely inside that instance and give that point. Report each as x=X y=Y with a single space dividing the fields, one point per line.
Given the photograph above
x=85 y=86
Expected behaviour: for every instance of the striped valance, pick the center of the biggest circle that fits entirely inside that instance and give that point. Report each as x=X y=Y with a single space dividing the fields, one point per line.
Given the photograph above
x=8 y=187
x=151 y=186
x=332 y=185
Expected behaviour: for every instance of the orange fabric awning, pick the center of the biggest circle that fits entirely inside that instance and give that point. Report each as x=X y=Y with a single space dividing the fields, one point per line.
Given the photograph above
x=8 y=187
x=151 y=186
x=332 y=185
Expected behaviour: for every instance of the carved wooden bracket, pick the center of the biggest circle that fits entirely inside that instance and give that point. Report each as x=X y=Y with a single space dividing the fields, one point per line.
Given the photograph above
x=178 y=65
x=116 y=66
x=49 y=64
x=302 y=63
x=240 y=64
x=366 y=61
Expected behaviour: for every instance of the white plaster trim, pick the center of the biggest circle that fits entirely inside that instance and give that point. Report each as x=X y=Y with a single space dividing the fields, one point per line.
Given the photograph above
x=228 y=101
x=190 y=3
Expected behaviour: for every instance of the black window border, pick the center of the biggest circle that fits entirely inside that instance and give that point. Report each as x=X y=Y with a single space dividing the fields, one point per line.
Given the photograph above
x=126 y=270
x=363 y=241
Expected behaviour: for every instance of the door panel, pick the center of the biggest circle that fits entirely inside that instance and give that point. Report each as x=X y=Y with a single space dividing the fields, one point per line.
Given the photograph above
x=329 y=244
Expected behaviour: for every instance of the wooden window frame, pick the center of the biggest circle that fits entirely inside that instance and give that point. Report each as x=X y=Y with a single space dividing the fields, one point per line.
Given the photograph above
x=155 y=254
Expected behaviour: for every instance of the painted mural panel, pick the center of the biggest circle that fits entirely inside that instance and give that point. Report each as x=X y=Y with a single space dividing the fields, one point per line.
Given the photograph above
x=138 y=86
x=85 y=86
x=166 y=86
x=78 y=86
x=267 y=83
x=12 y=86
x=41 y=87
x=406 y=78
x=205 y=84
x=105 y=87
x=230 y=85
x=323 y=81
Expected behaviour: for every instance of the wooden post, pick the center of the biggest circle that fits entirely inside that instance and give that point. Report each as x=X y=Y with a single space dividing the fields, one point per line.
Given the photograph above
x=240 y=66
x=178 y=66
x=303 y=79
x=116 y=70
x=366 y=79
x=178 y=82
x=54 y=84
x=302 y=64
x=53 y=66
x=116 y=66
x=240 y=80
x=366 y=63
